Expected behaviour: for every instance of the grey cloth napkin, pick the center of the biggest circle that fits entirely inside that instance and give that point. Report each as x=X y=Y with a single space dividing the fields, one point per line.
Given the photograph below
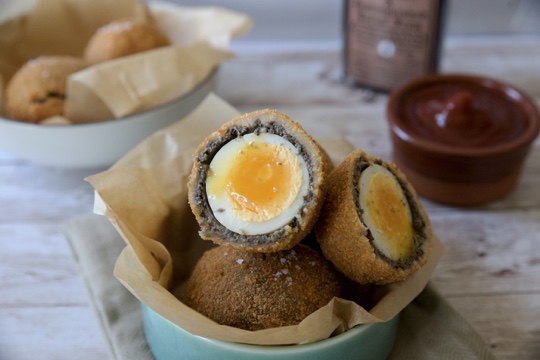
x=429 y=327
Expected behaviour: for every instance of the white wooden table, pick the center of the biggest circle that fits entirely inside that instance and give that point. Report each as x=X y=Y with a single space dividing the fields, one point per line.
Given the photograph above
x=490 y=271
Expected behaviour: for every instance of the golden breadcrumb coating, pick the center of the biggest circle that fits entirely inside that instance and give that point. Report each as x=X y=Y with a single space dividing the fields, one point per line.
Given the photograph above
x=256 y=291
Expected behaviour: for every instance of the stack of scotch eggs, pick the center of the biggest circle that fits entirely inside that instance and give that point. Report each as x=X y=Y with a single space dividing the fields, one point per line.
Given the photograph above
x=262 y=189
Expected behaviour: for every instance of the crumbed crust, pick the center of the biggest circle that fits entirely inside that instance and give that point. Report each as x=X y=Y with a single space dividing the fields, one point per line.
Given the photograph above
x=259 y=121
x=346 y=241
x=38 y=89
x=256 y=291
x=123 y=37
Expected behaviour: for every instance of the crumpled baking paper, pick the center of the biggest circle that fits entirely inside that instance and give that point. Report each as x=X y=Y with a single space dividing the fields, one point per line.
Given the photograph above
x=144 y=195
x=200 y=37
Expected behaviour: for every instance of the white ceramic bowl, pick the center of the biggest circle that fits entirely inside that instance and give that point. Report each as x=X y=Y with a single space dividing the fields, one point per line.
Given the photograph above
x=95 y=144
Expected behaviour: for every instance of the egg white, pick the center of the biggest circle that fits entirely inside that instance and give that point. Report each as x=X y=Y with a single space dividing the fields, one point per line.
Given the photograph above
x=220 y=204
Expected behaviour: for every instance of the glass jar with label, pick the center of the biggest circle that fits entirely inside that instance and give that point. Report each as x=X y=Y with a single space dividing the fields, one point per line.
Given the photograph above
x=388 y=42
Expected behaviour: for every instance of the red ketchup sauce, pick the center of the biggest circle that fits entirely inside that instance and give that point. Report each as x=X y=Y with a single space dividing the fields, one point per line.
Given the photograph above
x=464 y=115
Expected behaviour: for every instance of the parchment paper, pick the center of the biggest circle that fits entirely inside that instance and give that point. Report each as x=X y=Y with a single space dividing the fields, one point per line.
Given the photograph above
x=144 y=196
x=199 y=38
x=429 y=327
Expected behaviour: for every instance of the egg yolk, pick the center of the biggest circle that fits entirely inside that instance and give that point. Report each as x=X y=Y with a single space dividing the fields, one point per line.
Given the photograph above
x=389 y=213
x=260 y=181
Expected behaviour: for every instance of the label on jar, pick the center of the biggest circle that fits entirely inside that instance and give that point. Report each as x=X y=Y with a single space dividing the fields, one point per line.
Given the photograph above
x=388 y=42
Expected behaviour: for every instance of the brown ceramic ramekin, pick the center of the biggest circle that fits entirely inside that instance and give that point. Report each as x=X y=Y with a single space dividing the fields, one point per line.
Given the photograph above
x=461 y=139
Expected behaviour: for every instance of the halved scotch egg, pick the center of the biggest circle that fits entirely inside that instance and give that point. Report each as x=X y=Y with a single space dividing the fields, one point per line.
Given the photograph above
x=258 y=183
x=373 y=227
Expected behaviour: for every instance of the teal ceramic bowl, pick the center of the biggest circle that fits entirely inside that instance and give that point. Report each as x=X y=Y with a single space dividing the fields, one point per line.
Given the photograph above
x=167 y=341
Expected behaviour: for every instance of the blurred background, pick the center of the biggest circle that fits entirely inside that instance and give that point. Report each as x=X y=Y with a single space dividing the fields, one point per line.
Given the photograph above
x=321 y=19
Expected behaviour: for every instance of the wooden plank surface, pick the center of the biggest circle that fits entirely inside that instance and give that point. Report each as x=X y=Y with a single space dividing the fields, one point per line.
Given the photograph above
x=490 y=271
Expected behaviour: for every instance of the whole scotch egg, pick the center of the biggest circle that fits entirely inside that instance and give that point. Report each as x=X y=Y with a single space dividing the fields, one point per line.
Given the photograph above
x=258 y=183
x=255 y=291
